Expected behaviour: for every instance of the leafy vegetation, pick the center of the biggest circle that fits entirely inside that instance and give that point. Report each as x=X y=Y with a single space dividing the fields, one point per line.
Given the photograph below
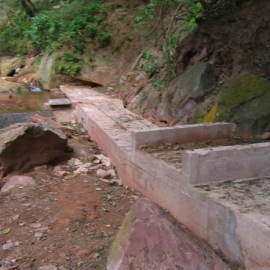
x=167 y=23
x=68 y=64
x=151 y=64
x=69 y=24
x=75 y=25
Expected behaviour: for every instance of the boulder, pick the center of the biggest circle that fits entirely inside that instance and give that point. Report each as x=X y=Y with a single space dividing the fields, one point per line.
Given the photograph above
x=245 y=101
x=49 y=78
x=8 y=65
x=25 y=145
x=150 y=239
x=46 y=72
x=17 y=181
x=185 y=91
x=7 y=85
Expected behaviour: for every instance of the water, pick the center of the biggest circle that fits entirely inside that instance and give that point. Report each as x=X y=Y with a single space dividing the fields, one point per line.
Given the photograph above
x=23 y=102
x=7 y=119
x=21 y=106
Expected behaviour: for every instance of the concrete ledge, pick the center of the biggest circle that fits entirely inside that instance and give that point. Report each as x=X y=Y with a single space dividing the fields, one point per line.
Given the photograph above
x=182 y=134
x=225 y=163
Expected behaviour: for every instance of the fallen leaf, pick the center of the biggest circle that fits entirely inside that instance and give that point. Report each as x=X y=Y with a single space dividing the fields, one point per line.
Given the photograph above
x=6 y=230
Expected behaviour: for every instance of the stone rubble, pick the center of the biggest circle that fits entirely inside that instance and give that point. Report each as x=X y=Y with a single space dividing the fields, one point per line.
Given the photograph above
x=17 y=181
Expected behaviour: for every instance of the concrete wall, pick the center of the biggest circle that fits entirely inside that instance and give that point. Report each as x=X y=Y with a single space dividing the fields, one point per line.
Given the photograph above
x=182 y=134
x=225 y=163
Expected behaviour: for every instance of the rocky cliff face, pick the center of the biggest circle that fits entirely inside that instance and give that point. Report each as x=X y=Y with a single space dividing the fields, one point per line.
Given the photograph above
x=234 y=41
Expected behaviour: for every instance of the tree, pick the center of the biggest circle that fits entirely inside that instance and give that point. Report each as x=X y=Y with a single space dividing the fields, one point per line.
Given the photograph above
x=28 y=7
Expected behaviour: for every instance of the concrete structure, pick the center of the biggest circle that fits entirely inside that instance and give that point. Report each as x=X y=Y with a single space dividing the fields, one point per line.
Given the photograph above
x=241 y=237
x=182 y=134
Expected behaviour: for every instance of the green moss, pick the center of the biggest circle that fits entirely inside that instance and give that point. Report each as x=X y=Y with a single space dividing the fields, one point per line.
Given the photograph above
x=245 y=101
x=125 y=229
x=240 y=91
x=211 y=115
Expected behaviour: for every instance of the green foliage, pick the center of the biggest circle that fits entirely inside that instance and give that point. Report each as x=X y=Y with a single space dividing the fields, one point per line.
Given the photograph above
x=13 y=38
x=167 y=22
x=69 y=64
x=104 y=39
x=73 y=24
x=150 y=64
x=92 y=30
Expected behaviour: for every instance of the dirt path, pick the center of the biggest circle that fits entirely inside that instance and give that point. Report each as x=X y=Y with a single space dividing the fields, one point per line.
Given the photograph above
x=63 y=222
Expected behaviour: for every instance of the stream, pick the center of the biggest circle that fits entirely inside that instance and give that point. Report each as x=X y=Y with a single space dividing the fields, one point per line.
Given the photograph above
x=21 y=106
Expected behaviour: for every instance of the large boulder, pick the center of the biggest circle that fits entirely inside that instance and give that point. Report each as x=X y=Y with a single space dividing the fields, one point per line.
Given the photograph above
x=25 y=145
x=46 y=73
x=49 y=77
x=8 y=85
x=8 y=65
x=245 y=101
x=185 y=92
x=150 y=239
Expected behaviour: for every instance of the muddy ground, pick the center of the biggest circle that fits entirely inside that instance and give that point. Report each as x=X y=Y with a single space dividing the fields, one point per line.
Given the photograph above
x=63 y=222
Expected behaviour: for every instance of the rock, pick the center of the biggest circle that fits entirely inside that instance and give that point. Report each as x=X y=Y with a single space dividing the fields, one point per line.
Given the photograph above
x=101 y=74
x=8 y=65
x=56 y=92
x=6 y=86
x=151 y=239
x=25 y=145
x=265 y=136
x=245 y=101
x=18 y=181
x=81 y=170
x=38 y=234
x=103 y=174
x=8 y=245
x=103 y=160
x=37 y=118
x=46 y=73
x=35 y=225
x=112 y=172
x=74 y=162
x=59 y=172
x=47 y=267
x=41 y=168
x=96 y=167
x=185 y=92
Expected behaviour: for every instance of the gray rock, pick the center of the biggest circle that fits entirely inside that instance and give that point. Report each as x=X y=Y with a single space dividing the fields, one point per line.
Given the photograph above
x=151 y=239
x=23 y=146
x=41 y=168
x=265 y=136
x=6 y=85
x=8 y=245
x=18 y=181
x=57 y=171
x=8 y=64
x=186 y=91
x=103 y=174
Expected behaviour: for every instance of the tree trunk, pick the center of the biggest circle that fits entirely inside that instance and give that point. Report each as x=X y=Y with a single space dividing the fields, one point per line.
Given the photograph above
x=28 y=7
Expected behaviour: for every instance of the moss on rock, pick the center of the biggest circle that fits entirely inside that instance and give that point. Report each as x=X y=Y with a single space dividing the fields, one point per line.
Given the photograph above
x=245 y=101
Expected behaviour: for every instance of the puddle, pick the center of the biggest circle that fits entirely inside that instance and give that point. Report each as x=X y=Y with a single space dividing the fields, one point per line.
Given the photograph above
x=23 y=102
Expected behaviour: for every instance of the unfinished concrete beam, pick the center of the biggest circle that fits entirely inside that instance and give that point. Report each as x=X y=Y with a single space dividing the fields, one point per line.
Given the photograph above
x=225 y=163
x=182 y=134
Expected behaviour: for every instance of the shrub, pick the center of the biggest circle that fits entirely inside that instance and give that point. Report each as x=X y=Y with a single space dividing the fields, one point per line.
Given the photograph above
x=69 y=64
x=105 y=39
